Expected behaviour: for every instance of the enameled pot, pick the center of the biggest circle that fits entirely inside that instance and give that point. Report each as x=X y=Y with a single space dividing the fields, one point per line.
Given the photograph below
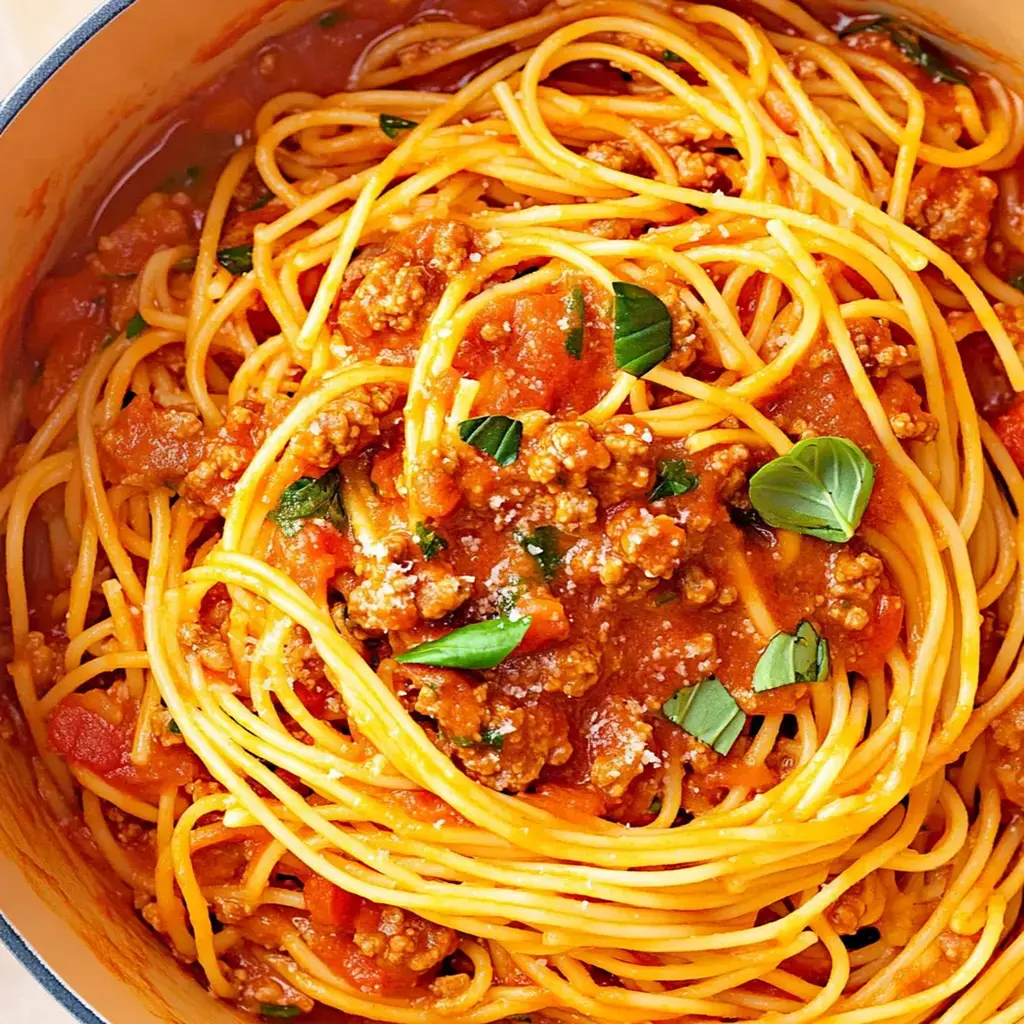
x=67 y=133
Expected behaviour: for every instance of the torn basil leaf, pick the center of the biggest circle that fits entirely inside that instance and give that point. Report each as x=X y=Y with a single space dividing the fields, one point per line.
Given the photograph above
x=798 y=657
x=393 y=126
x=497 y=436
x=643 y=329
x=273 y=1010
x=135 y=326
x=576 y=313
x=310 y=498
x=671 y=57
x=543 y=545
x=673 y=479
x=237 y=260
x=430 y=542
x=481 y=645
x=908 y=42
x=821 y=488
x=707 y=712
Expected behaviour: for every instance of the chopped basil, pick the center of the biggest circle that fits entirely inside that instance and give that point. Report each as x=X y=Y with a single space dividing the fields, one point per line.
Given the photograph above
x=707 y=712
x=673 y=479
x=310 y=498
x=643 y=329
x=497 y=436
x=666 y=598
x=908 y=42
x=106 y=342
x=1017 y=281
x=172 y=727
x=431 y=543
x=671 y=57
x=481 y=645
x=273 y=1010
x=392 y=126
x=543 y=546
x=488 y=738
x=135 y=326
x=261 y=202
x=820 y=488
x=576 y=312
x=797 y=657
x=332 y=18
x=237 y=259
x=508 y=597
x=188 y=263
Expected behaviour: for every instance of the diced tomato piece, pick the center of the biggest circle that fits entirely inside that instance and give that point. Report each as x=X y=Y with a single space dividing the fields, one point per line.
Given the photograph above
x=549 y=623
x=1010 y=428
x=330 y=906
x=65 y=361
x=574 y=803
x=868 y=648
x=96 y=731
x=342 y=955
x=60 y=302
x=388 y=466
x=312 y=556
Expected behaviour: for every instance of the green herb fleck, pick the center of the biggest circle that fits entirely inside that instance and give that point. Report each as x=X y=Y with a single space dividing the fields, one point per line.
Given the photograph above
x=431 y=543
x=543 y=546
x=666 y=598
x=262 y=201
x=576 y=313
x=37 y=374
x=188 y=263
x=173 y=728
x=237 y=259
x=671 y=57
x=908 y=42
x=135 y=326
x=1017 y=281
x=821 y=488
x=310 y=498
x=497 y=436
x=272 y=1010
x=673 y=479
x=707 y=712
x=643 y=329
x=482 y=645
x=393 y=126
x=797 y=657
x=332 y=18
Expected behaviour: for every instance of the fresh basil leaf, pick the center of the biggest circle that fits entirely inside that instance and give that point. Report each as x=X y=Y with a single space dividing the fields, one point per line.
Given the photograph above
x=497 y=436
x=643 y=329
x=576 y=313
x=907 y=41
x=392 y=126
x=431 y=543
x=173 y=728
x=508 y=597
x=272 y=1010
x=820 y=488
x=310 y=498
x=798 y=657
x=671 y=57
x=481 y=645
x=1017 y=281
x=237 y=259
x=135 y=326
x=673 y=479
x=708 y=712
x=492 y=738
x=543 y=546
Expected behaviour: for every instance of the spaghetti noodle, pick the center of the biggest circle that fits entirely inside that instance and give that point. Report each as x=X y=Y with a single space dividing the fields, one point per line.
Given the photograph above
x=550 y=550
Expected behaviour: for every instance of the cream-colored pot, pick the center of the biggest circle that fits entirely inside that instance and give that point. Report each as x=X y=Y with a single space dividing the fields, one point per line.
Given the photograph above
x=66 y=134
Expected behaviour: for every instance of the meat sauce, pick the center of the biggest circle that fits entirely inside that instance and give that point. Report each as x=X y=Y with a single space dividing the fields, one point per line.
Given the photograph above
x=616 y=628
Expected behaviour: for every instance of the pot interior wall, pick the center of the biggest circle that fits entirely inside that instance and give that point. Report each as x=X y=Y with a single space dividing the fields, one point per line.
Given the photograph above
x=59 y=154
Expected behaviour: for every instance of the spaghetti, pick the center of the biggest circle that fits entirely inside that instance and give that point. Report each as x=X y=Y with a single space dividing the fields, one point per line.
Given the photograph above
x=549 y=549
